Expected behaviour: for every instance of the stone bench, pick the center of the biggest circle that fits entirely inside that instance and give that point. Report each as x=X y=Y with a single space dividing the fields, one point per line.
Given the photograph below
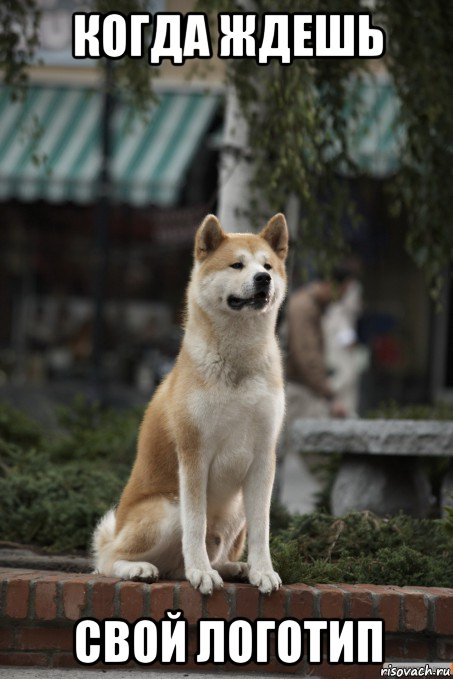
x=380 y=469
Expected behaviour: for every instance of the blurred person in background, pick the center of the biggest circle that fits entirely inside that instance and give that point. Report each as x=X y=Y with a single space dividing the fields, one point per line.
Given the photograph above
x=346 y=358
x=310 y=393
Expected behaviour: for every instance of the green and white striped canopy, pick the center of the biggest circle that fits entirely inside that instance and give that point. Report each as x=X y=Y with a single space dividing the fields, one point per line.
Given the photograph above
x=375 y=136
x=50 y=145
x=50 y=142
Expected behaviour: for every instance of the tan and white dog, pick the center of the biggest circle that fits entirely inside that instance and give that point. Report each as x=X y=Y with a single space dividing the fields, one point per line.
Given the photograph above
x=206 y=451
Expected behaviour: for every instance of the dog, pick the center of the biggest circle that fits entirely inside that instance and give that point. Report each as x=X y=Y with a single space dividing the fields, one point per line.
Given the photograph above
x=205 y=463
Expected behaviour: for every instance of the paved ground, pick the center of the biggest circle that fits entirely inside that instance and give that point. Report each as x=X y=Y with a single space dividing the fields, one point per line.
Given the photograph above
x=43 y=673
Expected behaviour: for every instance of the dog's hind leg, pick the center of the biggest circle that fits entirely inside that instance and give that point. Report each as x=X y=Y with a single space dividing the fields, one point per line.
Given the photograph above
x=146 y=543
x=232 y=568
x=135 y=570
x=238 y=545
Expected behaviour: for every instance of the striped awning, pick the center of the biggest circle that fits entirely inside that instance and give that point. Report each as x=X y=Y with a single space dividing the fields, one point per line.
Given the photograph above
x=50 y=145
x=375 y=136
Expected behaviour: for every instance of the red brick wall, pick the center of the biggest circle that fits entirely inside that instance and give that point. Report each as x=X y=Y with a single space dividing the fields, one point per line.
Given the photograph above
x=38 y=610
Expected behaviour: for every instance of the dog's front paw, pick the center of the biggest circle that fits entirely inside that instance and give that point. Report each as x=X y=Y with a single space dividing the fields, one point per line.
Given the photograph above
x=266 y=580
x=204 y=580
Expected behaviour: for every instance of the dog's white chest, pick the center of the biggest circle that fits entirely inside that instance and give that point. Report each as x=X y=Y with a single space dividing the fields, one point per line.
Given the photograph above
x=235 y=424
x=225 y=413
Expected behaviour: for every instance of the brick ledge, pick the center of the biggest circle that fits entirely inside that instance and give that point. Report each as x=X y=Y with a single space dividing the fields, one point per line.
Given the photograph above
x=38 y=610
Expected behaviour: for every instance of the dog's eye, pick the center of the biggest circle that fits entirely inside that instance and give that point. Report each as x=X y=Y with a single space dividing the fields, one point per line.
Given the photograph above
x=268 y=267
x=237 y=265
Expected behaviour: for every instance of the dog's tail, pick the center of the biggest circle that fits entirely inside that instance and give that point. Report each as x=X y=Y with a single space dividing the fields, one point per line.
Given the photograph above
x=102 y=542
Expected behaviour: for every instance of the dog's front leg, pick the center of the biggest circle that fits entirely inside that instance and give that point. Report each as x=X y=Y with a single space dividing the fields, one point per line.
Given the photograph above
x=193 y=487
x=257 y=500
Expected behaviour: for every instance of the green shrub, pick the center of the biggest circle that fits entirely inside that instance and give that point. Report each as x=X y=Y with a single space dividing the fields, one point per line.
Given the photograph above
x=361 y=547
x=53 y=490
x=54 y=506
x=16 y=427
x=90 y=432
x=392 y=410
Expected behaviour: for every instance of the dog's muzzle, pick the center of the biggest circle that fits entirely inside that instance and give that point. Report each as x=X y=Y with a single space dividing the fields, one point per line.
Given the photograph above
x=260 y=298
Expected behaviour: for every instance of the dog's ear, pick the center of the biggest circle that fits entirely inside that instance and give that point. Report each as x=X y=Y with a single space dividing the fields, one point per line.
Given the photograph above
x=276 y=234
x=208 y=238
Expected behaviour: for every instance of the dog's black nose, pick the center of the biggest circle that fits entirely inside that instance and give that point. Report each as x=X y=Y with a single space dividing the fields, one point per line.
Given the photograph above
x=262 y=279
